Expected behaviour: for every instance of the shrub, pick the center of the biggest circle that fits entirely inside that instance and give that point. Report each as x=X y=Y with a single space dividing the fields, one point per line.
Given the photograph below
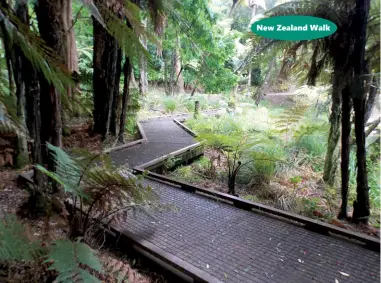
x=169 y=104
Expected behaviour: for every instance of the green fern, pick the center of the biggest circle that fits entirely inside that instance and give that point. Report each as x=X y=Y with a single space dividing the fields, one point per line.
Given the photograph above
x=290 y=118
x=104 y=192
x=14 y=243
x=72 y=260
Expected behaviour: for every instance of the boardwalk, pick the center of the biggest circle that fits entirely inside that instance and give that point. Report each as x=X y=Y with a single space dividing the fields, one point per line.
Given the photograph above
x=235 y=245
x=163 y=137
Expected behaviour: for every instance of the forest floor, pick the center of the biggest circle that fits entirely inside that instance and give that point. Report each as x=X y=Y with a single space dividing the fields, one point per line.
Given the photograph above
x=12 y=198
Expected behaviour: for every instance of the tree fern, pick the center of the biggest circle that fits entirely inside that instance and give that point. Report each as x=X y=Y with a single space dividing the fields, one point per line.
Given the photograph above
x=100 y=190
x=72 y=260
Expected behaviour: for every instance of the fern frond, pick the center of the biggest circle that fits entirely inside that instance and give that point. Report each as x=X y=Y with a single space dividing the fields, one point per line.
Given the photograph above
x=72 y=260
x=290 y=117
x=14 y=243
x=120 y=272
x=105 y=192
x=36 y=51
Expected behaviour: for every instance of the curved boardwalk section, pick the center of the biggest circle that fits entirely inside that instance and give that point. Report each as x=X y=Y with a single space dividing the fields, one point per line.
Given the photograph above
x=163 y=137
x=232 y=244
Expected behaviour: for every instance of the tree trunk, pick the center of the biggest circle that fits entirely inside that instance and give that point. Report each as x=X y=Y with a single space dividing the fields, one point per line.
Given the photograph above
x=126 y=95
x=266 y=83
x=361 y=209
x=106 y=77
x=116 y=96
x=132 y=79
x=143 y=80
x=22 y=158
x=71 y=50
x=8 y=50
x=372 y=98
x=179 y=83
x=14 y=66
x=172 y=73
x=51 y=27
x=31 y=87
x=372 y=127
x=345 y=150
x=332 y=156
x=249 y=83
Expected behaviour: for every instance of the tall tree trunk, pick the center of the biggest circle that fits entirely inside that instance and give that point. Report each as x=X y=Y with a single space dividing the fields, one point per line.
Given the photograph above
x=126 y=97
x=266 y=83
x=51 y=27
x=172 y=73
x=8 y=48
x=71 y=50
x=116 y=95
x=345 y=150
x=143 y=80
x=361 y=209
x=106 y=77
x=249 y=82
x=132 y=79
x=372 y=98
x=14 y=66
x=179 y=83
x=30 y=84
x=22 y=158
x=332 y=156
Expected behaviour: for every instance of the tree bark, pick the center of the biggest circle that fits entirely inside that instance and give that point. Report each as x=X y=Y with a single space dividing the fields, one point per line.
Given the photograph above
x=51 y=27
x=126 y=97
x=8 y=48
x=22 y=158
x=14 y=66
x=345 y=150
x=361 y=209
x=143 y=80
x=29 y=81
x=372 y=126
x=266 y=83
x=249 y=83
x=172 y=74
x=106 y=77
x=179 y=83
x=71 y=50
x=132 y=79
x=116 y=95
x=372 y=98
x=332 y=155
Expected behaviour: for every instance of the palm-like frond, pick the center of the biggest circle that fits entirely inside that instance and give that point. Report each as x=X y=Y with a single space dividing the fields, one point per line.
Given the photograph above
x=72 y=260
x=35 y=50
x=104 y=192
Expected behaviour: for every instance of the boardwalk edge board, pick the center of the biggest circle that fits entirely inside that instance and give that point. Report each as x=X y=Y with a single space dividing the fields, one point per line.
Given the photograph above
x=162 y=158
x=195 y=273
x=310 y=224
x=176 y=115
x=123 y=146
x=188 y=130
